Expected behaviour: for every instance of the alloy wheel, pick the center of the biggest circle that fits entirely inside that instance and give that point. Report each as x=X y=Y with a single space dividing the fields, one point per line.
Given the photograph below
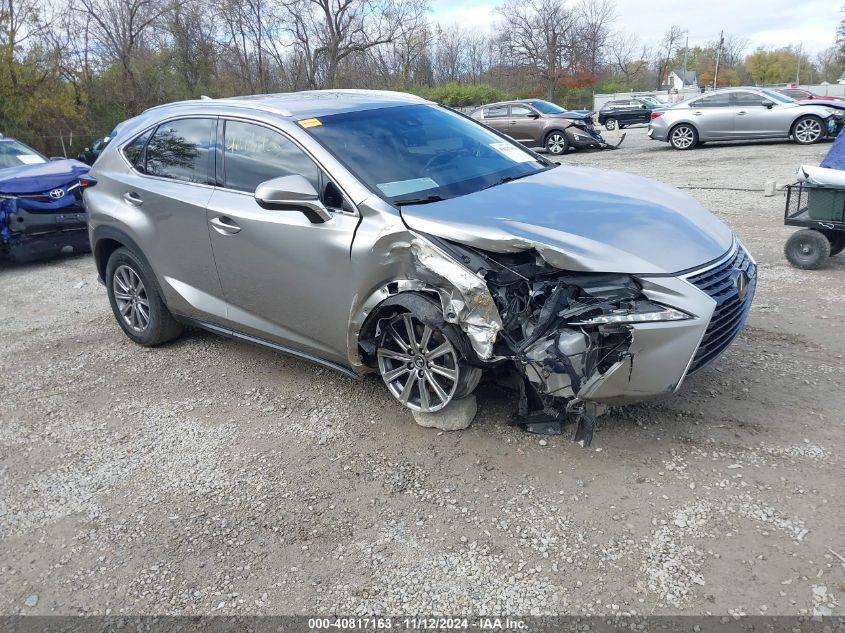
x=131 y=298
x=683 y=137
x=557 y=143
x=418 y=364
x=808 y=130
x=610 y=124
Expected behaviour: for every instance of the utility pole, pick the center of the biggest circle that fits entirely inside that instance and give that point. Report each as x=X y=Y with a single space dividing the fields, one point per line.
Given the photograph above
x=718 y=58
x=798 y=71
x=686 y=55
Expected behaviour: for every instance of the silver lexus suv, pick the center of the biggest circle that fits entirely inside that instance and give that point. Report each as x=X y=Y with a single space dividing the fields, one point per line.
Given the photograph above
x=378 y=232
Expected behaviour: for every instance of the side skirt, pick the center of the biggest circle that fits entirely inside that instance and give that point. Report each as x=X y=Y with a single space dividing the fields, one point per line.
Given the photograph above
x=216 y=329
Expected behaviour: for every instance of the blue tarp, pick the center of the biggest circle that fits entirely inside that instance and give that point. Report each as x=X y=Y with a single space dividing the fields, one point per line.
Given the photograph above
x=835 y=158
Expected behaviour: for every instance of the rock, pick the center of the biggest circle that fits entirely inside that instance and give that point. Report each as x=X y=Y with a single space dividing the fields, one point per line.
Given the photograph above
x=455 y=416
x=31 y=600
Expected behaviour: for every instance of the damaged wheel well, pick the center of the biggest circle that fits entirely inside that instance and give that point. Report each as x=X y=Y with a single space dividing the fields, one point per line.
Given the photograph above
x=427 y=308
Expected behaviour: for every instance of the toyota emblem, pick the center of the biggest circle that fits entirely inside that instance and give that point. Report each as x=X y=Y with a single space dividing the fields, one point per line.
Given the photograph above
x=740 y=280
x=57 y=194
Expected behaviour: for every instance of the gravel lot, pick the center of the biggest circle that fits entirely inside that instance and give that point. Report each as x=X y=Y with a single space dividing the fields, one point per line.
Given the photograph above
x=209 y=476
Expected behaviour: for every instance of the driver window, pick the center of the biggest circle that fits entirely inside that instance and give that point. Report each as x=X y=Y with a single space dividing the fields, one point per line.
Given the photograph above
x=253 y=154
x=521 y=111
x=748 y=99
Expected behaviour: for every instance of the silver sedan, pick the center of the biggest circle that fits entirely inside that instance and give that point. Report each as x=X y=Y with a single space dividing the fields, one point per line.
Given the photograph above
x=741 y=114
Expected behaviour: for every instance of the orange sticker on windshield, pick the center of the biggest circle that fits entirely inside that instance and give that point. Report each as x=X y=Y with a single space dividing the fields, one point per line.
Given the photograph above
x=310 y=122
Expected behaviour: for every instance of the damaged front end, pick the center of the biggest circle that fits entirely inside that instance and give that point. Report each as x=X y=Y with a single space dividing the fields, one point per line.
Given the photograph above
x=572 y=337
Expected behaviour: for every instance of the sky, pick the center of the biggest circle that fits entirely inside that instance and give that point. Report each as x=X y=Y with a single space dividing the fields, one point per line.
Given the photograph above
x=767 y=23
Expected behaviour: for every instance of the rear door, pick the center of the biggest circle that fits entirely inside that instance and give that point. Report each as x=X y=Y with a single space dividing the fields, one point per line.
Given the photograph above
x=713 y=115
x=285 y=279
x=165 y=195
x=496 y=116
x=525 y=124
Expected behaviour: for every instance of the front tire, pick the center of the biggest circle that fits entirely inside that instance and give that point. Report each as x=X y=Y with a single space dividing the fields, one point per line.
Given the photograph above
x=421 y=367
x=808 y=130
x=683 y=137
x=557 y=144
x=610 y=124
x=807 y=249
x=136 y=302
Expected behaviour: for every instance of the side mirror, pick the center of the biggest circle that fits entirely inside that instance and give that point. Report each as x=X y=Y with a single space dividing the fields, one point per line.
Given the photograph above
x=767 y=104
x=292 y=193
x=533 y=115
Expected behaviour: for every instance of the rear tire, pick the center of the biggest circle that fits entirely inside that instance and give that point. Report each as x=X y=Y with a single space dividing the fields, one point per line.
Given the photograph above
x=807 y=249
x=808 y=130
x=136 y=302
x=610 y=124
x=683 y=137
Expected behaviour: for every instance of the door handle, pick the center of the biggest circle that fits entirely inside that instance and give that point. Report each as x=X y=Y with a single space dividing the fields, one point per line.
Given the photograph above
x=699 y=113
x=741 y=112
x=224 y=225
x=130 y=197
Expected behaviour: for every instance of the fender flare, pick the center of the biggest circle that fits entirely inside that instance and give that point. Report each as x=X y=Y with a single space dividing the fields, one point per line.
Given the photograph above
x=104 y=232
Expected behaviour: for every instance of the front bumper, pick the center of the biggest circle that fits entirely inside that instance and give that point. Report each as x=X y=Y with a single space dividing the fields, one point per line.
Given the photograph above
x=661 y=355
x=582 y=138
x=27 y=233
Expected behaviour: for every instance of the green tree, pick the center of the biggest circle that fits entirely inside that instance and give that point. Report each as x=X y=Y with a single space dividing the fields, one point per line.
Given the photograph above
x=777 y=66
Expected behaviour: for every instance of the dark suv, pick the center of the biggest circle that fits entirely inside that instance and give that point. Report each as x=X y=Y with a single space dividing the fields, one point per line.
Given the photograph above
x=540 y=124
x=622 y=112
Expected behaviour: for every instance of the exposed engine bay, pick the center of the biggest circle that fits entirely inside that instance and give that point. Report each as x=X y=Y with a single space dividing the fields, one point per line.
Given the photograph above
x=561 y=330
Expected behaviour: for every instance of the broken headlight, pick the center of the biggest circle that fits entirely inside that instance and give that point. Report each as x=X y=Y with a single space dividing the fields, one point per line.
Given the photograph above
x=639 y=312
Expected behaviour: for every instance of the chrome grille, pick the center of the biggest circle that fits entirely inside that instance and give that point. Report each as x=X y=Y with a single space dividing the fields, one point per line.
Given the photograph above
x=731 y=311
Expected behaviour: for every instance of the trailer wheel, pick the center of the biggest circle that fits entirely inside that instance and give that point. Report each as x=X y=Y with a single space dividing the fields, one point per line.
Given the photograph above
x=807 y=249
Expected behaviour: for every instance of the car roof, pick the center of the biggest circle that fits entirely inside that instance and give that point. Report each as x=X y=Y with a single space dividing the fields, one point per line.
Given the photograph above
x=311 y=103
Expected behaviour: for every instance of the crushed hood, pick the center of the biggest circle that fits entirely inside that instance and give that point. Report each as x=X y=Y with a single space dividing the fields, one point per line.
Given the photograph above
x=40 y=177
x=582 y=219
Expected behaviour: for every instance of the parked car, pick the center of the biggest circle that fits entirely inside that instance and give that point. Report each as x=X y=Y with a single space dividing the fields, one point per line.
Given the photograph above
x=839 y=114
x=378 y=232
x=90 y=154
x=799 y=94
x=623 y=112
x=740 y=114
x=540 y=124
x=41 y=212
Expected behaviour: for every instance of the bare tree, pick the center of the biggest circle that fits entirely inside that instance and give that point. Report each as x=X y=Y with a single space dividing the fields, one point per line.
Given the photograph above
x=593 y=31
x=628 y=56
x=326 y=32
x=535 y=38
x=668 y=45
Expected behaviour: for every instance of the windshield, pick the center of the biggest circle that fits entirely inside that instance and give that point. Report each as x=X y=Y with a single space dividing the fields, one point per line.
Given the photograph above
x=546 y=108
x=15 y=154
x=778 y=96
x=649 y=101
x=420 y=153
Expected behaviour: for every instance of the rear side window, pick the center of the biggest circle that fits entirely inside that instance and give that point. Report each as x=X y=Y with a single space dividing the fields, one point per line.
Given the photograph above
x=494 y=112
x=720 y=100
x=135 y=148
x=180 y=150
x=253 y=154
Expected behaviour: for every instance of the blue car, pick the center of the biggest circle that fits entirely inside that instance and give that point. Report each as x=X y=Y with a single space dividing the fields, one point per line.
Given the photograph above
x=41 y=211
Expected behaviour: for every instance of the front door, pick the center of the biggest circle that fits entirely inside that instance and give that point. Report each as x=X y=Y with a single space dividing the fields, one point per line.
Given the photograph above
x=752 y=118
x=525 y=125
x=285 y=278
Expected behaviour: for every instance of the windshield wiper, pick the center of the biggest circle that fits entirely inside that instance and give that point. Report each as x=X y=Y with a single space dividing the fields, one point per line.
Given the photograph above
x=505 y=179
x=426 y=200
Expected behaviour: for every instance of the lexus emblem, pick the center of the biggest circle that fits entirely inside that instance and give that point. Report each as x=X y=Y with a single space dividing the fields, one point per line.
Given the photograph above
x=740 y=280
x=57 y=194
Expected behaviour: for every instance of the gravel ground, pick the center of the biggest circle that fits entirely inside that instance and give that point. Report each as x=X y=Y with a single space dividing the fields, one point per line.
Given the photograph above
x=209 y=476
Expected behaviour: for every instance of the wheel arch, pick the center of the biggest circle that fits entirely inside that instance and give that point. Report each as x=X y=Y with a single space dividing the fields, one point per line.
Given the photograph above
x=677 y=124
x=106 y=240
x=806 y=115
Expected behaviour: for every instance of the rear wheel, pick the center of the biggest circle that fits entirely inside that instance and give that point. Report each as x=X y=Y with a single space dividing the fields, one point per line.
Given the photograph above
x=611 y=124
x=807 y=249
x=420 y=365
x=135 y=301
x=808 y=130
x=683 y=137
x=557 y=143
